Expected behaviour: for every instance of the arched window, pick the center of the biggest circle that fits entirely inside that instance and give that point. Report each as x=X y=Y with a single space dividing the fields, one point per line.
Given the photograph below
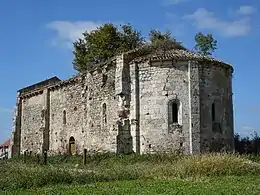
x=104 y=113
x=64 y=117
x=213 y=112
x=174 y=112
x=72 y=146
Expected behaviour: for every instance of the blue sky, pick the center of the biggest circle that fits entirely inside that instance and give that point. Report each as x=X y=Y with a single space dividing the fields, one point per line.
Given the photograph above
x=36 y=39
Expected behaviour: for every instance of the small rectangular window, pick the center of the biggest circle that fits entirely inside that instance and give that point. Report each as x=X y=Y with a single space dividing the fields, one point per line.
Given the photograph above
x=174 y=112
x=104 y=113
x=64 y=117
x=213 y=112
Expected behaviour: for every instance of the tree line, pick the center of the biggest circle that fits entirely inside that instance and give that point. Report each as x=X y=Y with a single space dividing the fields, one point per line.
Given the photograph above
x=109 y=40
x=247 y=145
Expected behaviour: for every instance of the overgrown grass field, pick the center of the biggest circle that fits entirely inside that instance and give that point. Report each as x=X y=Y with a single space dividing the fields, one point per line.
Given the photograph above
x=133 y=174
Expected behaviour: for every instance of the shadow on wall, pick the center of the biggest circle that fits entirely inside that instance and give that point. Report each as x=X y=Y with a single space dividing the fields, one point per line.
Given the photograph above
x=124 y=138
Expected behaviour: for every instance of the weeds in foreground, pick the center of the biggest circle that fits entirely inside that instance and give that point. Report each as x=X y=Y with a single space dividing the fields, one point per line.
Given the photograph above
x=15 y=174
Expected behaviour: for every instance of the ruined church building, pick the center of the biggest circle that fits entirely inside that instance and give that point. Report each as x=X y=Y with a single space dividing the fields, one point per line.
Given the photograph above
x=178 y=101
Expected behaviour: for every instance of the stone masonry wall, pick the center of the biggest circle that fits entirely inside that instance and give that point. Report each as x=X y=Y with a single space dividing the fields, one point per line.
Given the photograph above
x=80 y=105
x=16 y=128
x=159 y=84
x=216 y=87
x=75 y=109
x=194 y=86
x=140 y=107
x=32 y=123
x=66 y=99
x=194 y=107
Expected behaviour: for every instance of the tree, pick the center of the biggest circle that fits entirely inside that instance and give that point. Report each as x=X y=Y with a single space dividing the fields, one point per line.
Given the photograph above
x=130 y=38
x=164 y=41
x=205 y=44
x=247 y=145
x=103 y=43
x=156 y=35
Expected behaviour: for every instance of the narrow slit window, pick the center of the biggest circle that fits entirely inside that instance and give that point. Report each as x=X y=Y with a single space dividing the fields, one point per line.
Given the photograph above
x=213 y=112
x=64 y=117
x=174 y=108
x=174 y=112
x=104 y=113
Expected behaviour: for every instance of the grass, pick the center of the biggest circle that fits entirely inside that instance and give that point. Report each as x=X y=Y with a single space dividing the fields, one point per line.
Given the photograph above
x=150 y=174
x=218 y=185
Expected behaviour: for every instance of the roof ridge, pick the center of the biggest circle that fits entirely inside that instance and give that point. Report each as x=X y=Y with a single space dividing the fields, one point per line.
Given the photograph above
x=177 y=54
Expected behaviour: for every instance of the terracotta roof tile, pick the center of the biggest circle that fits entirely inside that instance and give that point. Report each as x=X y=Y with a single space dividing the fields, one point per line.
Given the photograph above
x=6 y=144
x=177 y=54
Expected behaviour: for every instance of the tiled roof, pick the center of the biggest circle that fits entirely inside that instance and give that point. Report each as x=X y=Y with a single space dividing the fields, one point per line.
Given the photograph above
x=177 y=54
x=41 y=84
x=6 y=144
x=144 y=53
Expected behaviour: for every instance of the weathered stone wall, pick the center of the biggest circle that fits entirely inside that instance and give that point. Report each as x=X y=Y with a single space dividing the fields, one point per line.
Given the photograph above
x=76 y=111
x=83 y=108
x=195 y=86
x=194 y=107
x=142 y=107
x=16 y=128
x=66 y=117
x=32 y=123
x=216 y=90
x=159 y=84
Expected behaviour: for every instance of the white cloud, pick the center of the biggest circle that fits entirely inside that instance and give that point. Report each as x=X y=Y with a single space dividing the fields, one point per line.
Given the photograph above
x=246 y=10
x=174 y=2
x=206 y=20
x=67 y=32
x=5 y=110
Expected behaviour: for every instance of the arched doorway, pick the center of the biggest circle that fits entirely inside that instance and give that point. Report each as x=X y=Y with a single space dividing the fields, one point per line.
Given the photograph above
x=72 y=146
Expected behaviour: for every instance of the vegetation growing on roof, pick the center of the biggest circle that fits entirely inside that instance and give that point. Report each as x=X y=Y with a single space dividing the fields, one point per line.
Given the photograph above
x=108 y=40
x=103 y=43
x=164 y=41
